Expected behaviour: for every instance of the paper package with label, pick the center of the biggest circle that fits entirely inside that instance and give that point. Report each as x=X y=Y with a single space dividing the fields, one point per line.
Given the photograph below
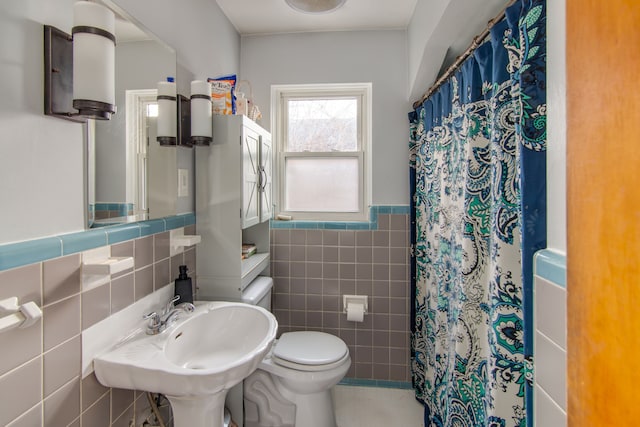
x=222 y=94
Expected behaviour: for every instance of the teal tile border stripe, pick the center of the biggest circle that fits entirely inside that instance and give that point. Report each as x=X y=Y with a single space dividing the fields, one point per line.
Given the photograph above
x=372 y=224
x=18 y=254
x=83 y=240
x=552 y=266
x=29 y=252
x=376 y=383
x=120 y=207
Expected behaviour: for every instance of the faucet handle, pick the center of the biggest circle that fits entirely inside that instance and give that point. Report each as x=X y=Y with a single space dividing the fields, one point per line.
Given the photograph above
x=155 y=318
x=187 y=307
x=169 y=305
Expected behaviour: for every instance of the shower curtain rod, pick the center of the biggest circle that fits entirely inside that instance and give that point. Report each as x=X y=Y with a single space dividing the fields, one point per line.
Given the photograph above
x=477 y=40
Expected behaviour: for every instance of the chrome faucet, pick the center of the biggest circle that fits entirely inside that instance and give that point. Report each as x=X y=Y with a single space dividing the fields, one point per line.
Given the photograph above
x=171 y=313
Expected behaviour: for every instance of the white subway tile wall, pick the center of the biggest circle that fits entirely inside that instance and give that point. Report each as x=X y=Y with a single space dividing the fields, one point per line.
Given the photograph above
x=550 y=346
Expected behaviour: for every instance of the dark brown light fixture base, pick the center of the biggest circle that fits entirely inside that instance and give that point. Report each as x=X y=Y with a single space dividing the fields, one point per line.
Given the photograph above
x=58 y=75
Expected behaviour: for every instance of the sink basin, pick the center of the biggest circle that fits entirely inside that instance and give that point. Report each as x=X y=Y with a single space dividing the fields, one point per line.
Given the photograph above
x=195 y=362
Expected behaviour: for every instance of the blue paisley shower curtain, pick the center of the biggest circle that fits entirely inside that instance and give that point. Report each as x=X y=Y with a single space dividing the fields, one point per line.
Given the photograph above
x=479 y=213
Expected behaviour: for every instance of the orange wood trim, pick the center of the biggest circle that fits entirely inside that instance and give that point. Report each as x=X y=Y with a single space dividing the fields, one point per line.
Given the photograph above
x=603 y=209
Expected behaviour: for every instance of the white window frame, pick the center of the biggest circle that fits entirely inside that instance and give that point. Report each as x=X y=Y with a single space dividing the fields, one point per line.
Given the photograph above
x=279 y=95
x=137 y=102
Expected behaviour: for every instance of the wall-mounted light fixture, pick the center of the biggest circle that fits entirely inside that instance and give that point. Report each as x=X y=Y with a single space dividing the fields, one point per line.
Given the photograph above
x=167 y=113
x=201 y=127
x=184 y=121
x=80 y=70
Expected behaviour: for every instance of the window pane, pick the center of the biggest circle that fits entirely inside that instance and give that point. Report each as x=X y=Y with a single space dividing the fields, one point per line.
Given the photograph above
x=322 y=125
x=152 y=110
x=317 y=184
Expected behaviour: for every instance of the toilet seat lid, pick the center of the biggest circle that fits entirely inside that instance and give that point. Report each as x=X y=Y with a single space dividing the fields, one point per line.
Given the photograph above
x=310 y=348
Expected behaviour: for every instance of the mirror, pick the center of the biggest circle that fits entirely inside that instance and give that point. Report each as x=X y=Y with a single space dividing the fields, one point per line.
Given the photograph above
x=121 y=151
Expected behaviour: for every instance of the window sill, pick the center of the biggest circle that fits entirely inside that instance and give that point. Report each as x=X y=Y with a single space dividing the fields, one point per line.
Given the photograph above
x=372 y=224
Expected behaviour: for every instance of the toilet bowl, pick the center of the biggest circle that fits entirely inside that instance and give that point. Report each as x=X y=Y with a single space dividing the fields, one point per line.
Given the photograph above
x=292 y=385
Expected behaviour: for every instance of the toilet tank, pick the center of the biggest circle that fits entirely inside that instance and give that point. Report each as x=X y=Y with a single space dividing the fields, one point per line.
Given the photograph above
x=258 y=292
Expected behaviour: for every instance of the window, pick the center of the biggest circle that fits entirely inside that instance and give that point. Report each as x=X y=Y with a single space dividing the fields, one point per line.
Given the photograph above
x=323 y=141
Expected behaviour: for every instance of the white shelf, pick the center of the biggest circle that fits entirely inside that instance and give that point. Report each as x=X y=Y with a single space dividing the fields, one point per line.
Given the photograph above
x=185 y=240
x=108 y=266
x=252 y=266
x=178 y=241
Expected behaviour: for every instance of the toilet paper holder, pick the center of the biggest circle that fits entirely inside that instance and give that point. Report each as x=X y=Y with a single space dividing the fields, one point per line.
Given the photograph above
x=355 y=299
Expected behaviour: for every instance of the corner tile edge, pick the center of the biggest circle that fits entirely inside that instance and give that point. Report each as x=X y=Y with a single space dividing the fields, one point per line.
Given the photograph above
x=552 y=266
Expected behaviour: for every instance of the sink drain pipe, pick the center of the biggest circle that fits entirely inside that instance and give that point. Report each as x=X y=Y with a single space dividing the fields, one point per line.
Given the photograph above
x=228 y=422
x=156 y=411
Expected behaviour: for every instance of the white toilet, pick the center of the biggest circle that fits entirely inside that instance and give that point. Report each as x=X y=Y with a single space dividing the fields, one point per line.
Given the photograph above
x=292 y=385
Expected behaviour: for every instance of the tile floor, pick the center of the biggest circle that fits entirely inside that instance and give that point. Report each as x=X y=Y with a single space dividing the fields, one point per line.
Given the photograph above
x=376 y=407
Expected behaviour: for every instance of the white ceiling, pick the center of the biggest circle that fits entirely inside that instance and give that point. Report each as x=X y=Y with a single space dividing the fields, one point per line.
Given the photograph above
x=126 y=31
x=274 y=16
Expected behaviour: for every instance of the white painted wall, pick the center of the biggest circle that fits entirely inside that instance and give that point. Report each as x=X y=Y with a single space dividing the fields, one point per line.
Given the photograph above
x=41 y=173
x=425 y=58
x=344 y=57
x=41 y=158
x=556 y=126
x=439 y=31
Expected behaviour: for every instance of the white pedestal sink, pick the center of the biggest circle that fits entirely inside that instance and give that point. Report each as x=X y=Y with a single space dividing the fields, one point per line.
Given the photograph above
x=195 y=362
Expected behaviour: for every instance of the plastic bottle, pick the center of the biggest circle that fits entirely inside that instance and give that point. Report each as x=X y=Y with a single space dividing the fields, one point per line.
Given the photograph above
x=183 y=287
x=241 y=104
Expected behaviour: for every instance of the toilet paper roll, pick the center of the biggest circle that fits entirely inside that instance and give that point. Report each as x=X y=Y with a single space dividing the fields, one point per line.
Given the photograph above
x=355 y=312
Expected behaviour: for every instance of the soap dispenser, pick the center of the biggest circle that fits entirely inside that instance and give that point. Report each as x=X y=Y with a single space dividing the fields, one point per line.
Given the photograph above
x=183 y=287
